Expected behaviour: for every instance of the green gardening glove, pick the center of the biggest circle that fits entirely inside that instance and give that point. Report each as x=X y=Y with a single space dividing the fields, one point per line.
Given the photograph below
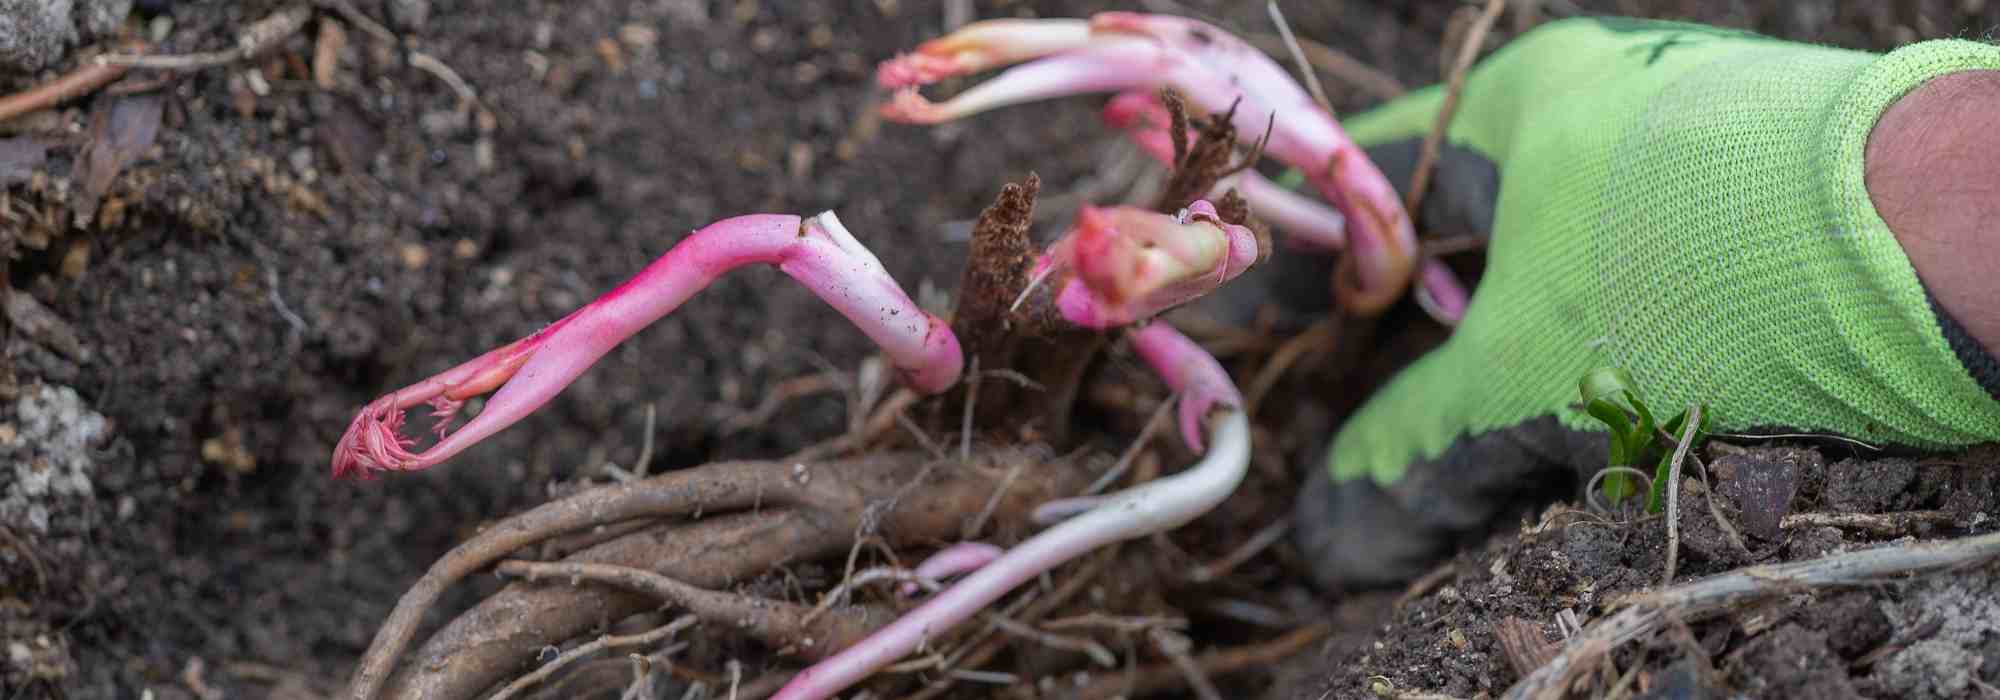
x=1683 y=202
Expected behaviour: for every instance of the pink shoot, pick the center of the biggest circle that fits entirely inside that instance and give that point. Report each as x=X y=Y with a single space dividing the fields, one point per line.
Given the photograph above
x=818 y=252
x=1440 y=293
x=1307 y=224
x=1129 y=263
x=952 y=561
x=1126 y=51
x=1155 y=506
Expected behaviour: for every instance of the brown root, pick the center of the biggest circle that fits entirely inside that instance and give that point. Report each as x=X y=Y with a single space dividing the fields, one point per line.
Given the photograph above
x=777 y=624
x=720 y=486
x=906 y=497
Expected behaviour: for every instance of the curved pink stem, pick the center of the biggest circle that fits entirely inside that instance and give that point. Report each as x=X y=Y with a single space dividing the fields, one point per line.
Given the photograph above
x=1126 y=51
x=1156 y=506
x=1307 y=224
x=1440 y=293
x=952 y=561
x=819 y=252
x=1191 y=371
x=1131 y=264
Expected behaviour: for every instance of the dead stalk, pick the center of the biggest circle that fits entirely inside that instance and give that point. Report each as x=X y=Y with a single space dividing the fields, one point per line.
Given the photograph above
x=1420 y=179
x=76 y=83
x=1645 y=613
x=1673 y=488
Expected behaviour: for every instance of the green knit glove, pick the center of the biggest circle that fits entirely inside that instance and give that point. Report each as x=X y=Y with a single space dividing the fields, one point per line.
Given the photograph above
x=1680 y=201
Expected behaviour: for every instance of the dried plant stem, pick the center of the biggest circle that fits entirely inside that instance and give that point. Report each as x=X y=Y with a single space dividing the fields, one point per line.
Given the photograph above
x=1298 y=56
x=86 y=78
x=1646 y=613
x=1250 y=548
x=1468 y=51
x=1673 y=487
x=1347 y=69
x=1884 y=524
x=1319 y=337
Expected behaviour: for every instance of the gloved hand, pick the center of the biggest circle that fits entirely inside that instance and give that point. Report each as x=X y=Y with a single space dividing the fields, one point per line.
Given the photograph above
x=1684 y=202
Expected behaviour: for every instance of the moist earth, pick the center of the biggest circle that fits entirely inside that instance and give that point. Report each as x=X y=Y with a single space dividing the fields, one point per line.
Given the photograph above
x=207 y=275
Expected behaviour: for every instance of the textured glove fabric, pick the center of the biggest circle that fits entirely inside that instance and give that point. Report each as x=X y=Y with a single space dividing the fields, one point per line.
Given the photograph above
x=1684 y=202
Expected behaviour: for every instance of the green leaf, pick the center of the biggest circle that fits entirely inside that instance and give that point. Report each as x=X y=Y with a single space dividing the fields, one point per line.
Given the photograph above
x=1612 y=397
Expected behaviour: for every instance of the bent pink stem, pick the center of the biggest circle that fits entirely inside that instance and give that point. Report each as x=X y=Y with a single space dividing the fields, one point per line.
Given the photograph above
x=1440 y=293
x=1131 y=264
x=1155 y=506
x=952 y=561
x=819 y=252
x=1126 y=51
x=1307 y=224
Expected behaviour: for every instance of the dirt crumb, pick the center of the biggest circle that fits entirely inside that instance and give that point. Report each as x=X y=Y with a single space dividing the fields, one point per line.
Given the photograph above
x=1790 y=662
x=1873 y=486
x=51 y=453
x=1932 y=668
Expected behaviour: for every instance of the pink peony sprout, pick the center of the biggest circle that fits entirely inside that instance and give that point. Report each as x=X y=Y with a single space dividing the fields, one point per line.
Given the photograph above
x=1125 y=51
x=1130 y=263
x=1307 y=224
x=818 y=252
x=1155 y=506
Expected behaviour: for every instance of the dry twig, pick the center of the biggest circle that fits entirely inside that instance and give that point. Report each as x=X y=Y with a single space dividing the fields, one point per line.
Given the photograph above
x=1645 y=613
x=1420 y=179
x=1153 y=424
x=255 y=40
x=1673 y=488
x=1250 y=548
x=1882 y=524
x=1298 y=55
x=76 y=83
x=1347 y=69
x=1318 y=338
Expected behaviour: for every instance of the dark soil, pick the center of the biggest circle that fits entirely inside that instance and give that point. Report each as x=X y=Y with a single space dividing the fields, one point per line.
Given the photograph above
x=1916 y=637
x=282 y=252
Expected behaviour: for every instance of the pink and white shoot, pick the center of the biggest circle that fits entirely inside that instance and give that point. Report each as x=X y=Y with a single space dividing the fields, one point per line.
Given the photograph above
x=1122 y=51
x=1127 y=264
x=819 y=252
x=1308 y=225
x=1156 y=506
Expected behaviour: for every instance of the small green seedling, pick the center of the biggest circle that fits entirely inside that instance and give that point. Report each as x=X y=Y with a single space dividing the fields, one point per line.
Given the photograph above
x=1612 y=397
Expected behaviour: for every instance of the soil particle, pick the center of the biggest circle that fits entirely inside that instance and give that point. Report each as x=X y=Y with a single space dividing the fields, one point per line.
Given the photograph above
x=34 y=33
x=1683 y=681
x=1853 y=623
x=37 y=34
x=1814 y=542
x=1790 y=662
x=1873 y=486
x=52 y=451
x=1932 y=668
